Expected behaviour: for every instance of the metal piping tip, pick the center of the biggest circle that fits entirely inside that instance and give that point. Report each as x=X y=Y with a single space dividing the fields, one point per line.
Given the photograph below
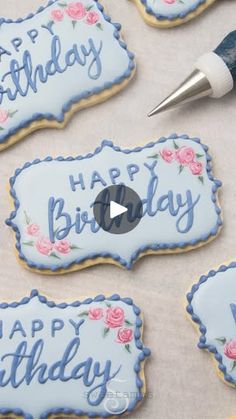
x=194 y=87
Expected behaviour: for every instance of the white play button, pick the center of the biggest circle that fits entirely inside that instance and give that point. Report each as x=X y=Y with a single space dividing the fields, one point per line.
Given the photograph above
x=116 y=209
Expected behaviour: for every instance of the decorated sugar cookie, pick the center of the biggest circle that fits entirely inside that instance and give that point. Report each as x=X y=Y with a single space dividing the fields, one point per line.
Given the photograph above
x=168 y=13
x=54 y=199
x=65 y=57
x=212 y=306
x=83 y=358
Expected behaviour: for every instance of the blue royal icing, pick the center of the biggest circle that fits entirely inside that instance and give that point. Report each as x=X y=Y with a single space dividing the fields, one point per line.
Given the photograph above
x=165 y=10
x=172 y=176
x=43 y=56
x=212 y=306
x=86 y=355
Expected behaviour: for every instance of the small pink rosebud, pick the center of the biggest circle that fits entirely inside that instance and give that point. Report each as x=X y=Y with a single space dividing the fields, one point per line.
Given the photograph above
x=124 y=335
x=63 y=246
x=4 y=115
x=76 y=11
x=230 y=349
x=57 y=15
x=44 y=246
x=92 y=18
x=95 y=313
x=33 y=230
x=167 y=155
x=196 y=168
x=185 y=155
x=115 y=317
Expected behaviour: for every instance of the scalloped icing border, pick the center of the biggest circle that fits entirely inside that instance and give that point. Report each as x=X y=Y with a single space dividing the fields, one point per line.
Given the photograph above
x=217 y=358
x=138 y=367
x=99 y=258
x=160 y=21
x=82 y=101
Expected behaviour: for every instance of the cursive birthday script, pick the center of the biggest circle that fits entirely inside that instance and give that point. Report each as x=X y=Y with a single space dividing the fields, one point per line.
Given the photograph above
x=27 y=364
x=25 y=74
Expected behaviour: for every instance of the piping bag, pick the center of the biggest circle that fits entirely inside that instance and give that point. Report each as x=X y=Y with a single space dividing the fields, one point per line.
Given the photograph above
x=214 y=75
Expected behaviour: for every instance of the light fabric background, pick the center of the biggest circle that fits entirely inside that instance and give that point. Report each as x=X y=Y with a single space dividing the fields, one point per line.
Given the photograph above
x=182 y=381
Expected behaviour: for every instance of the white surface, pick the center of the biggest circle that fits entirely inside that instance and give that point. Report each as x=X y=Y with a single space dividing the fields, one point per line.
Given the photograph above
x=182 y=382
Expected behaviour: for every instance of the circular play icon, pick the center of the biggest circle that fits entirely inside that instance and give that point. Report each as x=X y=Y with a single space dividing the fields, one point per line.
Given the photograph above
x=118 y=209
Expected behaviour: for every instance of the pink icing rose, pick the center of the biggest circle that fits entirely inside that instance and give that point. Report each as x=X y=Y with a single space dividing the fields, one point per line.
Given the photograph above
x=115 y=317
x=230 y=349
x=196 y=168
x=33 y=230
x=92 y=18
x=169 y=1
x=167 y=155
x=124 y=335
x=63 y=246
x=44 y=246
x=185 y=155
x=3 y=116
x=95 y=313
x=76 y=11
x=57 y=15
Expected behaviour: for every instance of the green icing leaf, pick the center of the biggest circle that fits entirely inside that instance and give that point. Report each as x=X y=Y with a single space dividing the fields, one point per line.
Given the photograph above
x=199 y=155
x=222 y=341
x=176 y=145
x=128 y=323
x=99 y=26
x=88 y=8
x=62 y=4
x=1 y=129
x=27 y=219
x=233 y=365
x=54 y=255
x=108 y=304
x=74 y=23
x=155 y=156
x=201 y=179
x=106 y=331
x=181 y=168
x=12 y=113
x=74 y=247
x=84 y=313
x=31 y=244
x=127 y=347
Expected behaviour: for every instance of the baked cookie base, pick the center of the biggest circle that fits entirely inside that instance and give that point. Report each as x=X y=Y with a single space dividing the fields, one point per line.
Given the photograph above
x=87 y=263
x=166 y=23
x=109 y=261
x=83 y=104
